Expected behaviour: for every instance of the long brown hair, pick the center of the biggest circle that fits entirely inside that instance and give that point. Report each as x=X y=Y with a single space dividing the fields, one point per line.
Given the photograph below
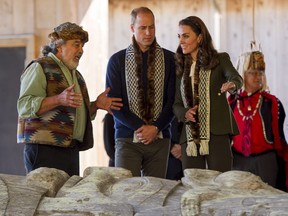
x=207 y=54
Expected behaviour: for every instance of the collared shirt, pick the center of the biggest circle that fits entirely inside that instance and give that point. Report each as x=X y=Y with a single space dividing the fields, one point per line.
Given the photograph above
x=33 y=91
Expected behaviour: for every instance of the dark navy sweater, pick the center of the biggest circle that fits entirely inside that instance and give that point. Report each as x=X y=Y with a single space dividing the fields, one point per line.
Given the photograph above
x=127 y=122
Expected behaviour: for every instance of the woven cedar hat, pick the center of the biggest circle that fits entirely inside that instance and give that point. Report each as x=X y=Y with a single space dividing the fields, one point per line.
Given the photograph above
x=253 y=60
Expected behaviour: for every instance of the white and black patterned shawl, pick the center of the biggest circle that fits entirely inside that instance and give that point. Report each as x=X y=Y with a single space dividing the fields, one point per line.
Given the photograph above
x=150 y=111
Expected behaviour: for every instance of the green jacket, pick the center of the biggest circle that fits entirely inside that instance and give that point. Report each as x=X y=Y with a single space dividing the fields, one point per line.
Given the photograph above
x=222 y=120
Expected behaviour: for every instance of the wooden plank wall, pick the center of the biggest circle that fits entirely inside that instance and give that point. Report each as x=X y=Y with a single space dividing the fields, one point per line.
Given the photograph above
x=229 y=22
x=20 y=18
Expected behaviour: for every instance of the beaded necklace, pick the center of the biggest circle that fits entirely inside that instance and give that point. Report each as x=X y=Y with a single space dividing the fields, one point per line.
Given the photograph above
x=246 y=117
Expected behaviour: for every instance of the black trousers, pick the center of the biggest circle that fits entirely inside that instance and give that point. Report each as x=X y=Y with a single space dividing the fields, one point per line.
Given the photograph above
x=39 y=155
x=263 y=165
x=174 y=169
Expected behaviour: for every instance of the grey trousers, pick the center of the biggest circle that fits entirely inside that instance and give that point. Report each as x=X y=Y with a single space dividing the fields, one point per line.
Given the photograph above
x=143 y=160
x=219 y=158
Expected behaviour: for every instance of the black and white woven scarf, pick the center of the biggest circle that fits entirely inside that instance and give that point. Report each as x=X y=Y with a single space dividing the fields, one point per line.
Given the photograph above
x=156 y=76
x=203 y=113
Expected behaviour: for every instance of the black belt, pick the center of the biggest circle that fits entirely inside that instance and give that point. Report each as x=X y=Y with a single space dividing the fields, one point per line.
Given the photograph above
x=254 y=154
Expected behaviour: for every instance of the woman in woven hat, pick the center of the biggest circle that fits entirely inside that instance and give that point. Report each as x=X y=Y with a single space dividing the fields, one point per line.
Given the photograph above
x=203 y=78
x=260 y=117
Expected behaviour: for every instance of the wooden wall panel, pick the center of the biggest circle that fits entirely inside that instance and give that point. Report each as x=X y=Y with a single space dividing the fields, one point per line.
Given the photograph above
x=83 y=6
x=265 y=32
x=6 y=14
x=23 y=17
x=66 y=11
x=45 y=14
x=232 y=26
x=169 y=13
x=50 y=14
x=279 y=73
